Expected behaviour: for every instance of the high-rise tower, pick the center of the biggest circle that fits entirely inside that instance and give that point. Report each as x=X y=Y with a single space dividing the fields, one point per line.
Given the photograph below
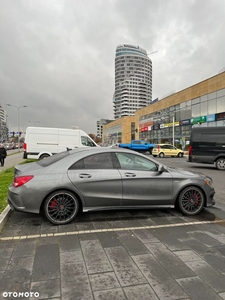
x=133 y=80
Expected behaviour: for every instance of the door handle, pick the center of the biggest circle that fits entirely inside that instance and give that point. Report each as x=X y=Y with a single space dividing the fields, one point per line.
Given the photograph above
x=130 y=175
x=83 y=175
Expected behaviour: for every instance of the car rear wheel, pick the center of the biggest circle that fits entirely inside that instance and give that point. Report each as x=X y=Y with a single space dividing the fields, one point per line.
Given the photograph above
x=191 y=200
x=161 y=154
x=220 y=163
x=180 y=154
x=61 y=207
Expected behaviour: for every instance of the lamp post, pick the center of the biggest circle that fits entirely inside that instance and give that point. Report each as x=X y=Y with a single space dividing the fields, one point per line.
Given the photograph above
x=18 y=107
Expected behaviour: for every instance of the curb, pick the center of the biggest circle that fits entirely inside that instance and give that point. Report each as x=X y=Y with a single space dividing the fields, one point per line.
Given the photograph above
x=4 y=216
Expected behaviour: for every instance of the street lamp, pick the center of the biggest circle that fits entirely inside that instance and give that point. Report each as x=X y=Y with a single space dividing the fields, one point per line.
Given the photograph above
x=18 y=107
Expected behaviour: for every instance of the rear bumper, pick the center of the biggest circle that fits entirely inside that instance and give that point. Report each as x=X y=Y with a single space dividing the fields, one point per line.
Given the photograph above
x=18 y=203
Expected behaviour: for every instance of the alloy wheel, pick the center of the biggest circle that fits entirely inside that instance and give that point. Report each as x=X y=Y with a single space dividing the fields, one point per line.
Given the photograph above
x=61 y=207
x=191 y=200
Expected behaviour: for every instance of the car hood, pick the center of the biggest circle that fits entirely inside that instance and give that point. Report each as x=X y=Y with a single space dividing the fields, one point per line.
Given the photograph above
x=183 y=172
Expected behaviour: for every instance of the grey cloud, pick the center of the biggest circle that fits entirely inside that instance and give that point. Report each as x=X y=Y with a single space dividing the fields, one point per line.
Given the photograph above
x=57 y=57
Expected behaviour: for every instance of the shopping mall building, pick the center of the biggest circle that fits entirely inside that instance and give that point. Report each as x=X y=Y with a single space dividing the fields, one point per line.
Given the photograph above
x=170 y=119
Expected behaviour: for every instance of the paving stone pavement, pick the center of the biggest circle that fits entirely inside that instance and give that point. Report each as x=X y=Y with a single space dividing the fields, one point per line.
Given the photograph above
x=145 y=254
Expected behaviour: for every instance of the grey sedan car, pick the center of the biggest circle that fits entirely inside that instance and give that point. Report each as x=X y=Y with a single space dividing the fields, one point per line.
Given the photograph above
x=91 y=179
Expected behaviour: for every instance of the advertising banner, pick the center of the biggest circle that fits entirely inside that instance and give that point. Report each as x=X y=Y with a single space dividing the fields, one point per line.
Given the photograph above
x=171 y=124
x=220 y=116
x=185 y=122
x=156 y=127
x=201 y=119
x=210 y=118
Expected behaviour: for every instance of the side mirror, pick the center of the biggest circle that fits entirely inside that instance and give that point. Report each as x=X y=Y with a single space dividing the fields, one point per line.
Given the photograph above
x=161 y=169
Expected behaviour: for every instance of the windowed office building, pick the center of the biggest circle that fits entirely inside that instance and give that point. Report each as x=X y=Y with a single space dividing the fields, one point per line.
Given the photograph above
x=133 y=80
x=173 y=117
x=170 y=119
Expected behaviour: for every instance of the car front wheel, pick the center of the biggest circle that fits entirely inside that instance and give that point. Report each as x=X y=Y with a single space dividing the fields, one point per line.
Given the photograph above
x=191 y=200
x=180 y=154
x=220 y=164
x=61 y=207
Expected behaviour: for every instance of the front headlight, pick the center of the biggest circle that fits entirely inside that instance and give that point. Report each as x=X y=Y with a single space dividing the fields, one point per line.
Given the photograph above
x=208 y=181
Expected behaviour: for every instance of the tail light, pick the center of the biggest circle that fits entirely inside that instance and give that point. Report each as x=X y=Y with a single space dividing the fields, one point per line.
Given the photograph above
x=25 y=147
x=21 y=180
x=158 y=148
x=190 y=150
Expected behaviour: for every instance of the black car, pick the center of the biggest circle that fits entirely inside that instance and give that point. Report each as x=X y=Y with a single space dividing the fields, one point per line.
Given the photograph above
x=207 y=145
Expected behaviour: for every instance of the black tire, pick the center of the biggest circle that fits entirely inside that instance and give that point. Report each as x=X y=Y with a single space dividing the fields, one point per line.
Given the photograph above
x=43 y=156
x=155 y=155
x=191 y=200
x=220 y=163
x=61 y=207
x=161 y=154
x=180 y=154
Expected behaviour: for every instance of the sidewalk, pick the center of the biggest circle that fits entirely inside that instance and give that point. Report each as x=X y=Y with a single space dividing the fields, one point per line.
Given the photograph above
x=10 y=161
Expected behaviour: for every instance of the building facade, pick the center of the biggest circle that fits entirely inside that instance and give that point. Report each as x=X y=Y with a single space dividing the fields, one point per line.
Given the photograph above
x=170 y=120
x=133 y=80
x=100 y=125
x=3 y=125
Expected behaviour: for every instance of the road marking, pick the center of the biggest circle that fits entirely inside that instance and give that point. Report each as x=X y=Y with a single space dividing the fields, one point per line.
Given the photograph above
x=23 y=237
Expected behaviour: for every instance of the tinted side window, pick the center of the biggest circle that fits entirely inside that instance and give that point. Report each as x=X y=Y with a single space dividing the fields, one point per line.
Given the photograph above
x=212 y=139
x=170 y=147
x=97 y=161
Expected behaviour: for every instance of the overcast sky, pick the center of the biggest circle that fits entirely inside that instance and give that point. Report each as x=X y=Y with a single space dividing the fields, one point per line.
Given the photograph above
x=57 y=57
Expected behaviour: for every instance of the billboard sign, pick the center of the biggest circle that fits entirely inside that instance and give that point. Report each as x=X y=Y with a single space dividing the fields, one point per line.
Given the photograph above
x=220 y=116
x=201 y=119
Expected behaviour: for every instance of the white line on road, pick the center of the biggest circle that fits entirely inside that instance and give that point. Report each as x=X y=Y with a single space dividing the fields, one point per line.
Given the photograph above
x=107 y=230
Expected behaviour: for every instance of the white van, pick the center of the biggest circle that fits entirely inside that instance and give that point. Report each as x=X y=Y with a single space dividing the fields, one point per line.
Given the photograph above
x=41 y=142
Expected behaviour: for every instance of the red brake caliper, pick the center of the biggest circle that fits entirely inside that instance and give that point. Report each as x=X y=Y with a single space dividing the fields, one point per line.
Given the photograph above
x=196 y=198
x=53 y=204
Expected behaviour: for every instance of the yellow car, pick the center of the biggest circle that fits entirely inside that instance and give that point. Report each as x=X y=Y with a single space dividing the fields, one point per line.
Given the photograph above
x=162 y=150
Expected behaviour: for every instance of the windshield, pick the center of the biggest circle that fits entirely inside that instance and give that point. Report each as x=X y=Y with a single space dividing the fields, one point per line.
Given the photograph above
x=86 y=141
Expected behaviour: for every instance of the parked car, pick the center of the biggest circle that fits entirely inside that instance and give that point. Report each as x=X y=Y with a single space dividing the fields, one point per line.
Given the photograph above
x=207 y=145
x=8 y=146
x=162 y=150
x=42 y=142
x=139 y=146
x=101 y=178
